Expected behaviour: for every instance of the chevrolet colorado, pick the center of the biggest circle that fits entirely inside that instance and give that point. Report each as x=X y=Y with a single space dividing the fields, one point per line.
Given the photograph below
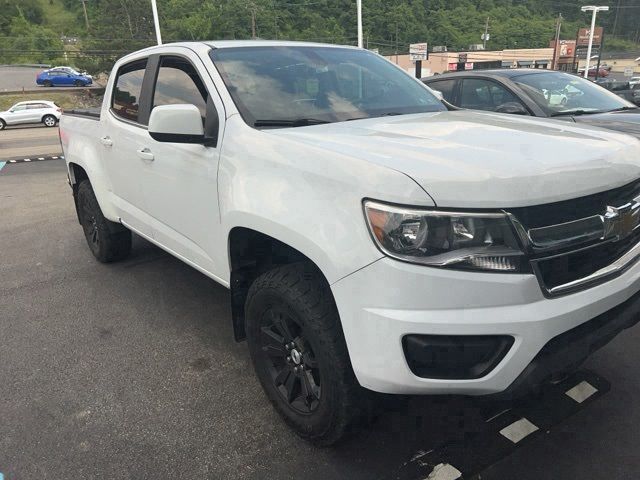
x=371 y=239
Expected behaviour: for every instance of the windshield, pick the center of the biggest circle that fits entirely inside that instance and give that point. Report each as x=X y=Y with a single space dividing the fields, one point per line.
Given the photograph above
x=561 y=93
x=297 y=86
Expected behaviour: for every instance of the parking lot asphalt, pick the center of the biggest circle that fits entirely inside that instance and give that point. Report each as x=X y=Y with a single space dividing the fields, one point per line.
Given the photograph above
x=129 y=371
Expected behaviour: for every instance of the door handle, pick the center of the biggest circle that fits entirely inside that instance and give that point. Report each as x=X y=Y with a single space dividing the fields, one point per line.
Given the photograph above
x=145 y=154
x=106 y=141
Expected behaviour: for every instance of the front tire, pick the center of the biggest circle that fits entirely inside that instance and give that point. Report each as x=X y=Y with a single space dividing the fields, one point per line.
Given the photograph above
x=300 y=355
x=108 y=241
x=78 y=83
x=3 y=124
x=47 y=83
x=49 y=120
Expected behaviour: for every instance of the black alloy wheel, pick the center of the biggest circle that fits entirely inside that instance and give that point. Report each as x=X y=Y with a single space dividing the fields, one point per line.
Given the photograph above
x=300 y=355
x=291 y=361
x=108 y=241
x=89 y=223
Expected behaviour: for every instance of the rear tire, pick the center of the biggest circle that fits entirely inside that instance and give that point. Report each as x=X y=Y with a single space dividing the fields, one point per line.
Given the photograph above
x=3 y=125
x=49 y=120
x=108 y=241
x=300 y=355
x=47 y=83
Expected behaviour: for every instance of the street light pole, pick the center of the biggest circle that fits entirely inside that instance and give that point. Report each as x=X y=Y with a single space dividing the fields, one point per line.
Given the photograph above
x=156 y=21
x=595 y=10
x=359 y=6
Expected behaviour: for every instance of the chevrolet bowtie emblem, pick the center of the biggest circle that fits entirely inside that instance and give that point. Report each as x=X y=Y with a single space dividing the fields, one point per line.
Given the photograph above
x=620 y=222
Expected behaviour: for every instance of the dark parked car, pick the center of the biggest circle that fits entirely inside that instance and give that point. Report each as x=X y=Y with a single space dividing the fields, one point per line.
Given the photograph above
x=540 y=93
x=59 y=77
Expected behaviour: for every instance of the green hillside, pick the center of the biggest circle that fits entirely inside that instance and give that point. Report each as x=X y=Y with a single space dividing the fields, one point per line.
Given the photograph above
x=33 y=28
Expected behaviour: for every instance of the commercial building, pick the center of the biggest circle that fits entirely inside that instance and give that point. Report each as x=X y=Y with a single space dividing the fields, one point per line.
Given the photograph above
x=441 y=62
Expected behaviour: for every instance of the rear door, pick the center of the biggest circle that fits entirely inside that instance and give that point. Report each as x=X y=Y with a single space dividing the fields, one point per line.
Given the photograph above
x=35 y=112
x=125 y=134
x=180 y=184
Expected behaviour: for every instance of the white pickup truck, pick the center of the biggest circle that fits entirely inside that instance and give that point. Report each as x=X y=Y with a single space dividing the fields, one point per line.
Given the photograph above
x=371 y=239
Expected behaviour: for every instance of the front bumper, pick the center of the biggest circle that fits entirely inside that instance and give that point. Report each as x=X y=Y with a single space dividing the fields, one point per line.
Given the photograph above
x=384 y=302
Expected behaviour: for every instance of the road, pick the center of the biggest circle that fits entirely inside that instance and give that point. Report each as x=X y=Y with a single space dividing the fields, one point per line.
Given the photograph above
x=14 y=78
x=129 y=371
x=33 y=141
x=17 y=78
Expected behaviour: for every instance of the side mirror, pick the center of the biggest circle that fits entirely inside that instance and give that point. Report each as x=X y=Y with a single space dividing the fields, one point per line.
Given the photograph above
x=176 y=124
x=514 y=108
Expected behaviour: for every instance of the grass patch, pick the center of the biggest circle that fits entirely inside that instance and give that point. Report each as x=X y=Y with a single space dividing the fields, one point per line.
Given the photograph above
x=65 y=99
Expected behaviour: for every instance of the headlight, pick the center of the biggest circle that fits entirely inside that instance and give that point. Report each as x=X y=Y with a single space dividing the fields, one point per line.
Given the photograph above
x=477 y=241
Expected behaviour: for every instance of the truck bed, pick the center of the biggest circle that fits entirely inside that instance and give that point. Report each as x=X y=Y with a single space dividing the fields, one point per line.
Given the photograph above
x=90 y=113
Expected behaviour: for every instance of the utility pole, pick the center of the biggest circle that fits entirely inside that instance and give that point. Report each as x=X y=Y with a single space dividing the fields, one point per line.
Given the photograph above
x=86 y=17
x=359 y=8
x=595 y=10
x=253 y=9
x=485 y=36
x=555 y=45
x=615 y=20
x=156 y=21
x=396 y=43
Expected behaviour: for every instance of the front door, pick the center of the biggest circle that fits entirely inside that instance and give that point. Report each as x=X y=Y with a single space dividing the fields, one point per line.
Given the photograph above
x=180 y=183
x=19 y=114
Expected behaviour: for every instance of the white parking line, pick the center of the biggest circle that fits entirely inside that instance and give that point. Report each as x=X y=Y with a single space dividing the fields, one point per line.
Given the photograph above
x=518 y=430
x=444 y=471
x=582 y=391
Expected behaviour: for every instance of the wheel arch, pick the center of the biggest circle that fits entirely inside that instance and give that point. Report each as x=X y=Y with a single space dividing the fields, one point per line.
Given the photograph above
x=79 y=171
x=252 y=253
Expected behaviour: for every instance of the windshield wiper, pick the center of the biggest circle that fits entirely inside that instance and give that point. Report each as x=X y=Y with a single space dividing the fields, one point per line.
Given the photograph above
x=576 y=112
x=298 y=122
x=623 y=109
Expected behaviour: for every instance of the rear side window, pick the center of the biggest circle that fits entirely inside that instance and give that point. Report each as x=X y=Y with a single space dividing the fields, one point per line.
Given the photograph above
x=125 y=101
x=446 y=87
x=178 y=82
x=34 y=106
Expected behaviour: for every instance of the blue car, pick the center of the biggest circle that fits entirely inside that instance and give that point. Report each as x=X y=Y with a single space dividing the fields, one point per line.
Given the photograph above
x=63 y=78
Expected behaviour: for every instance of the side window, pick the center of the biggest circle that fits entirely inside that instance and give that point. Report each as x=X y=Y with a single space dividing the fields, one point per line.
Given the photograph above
x=446 y=87
x=479 y=94
x=125 y=101
x=19 y=108
x=36 y=106
x=178 y=82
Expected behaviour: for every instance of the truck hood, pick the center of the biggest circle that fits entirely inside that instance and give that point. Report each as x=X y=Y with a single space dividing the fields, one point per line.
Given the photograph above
x=484 y=160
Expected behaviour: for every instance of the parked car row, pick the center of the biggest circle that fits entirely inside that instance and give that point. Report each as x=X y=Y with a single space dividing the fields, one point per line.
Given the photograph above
x=539 y=93
x=63 y=77
x=32 y=111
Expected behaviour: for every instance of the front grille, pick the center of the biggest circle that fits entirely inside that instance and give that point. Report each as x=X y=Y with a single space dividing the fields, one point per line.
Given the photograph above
x=561 y=267
x=569 y=267
x=569 y=210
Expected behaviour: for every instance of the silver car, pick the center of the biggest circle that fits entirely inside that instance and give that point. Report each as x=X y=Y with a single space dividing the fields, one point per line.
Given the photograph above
x=33 y=111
